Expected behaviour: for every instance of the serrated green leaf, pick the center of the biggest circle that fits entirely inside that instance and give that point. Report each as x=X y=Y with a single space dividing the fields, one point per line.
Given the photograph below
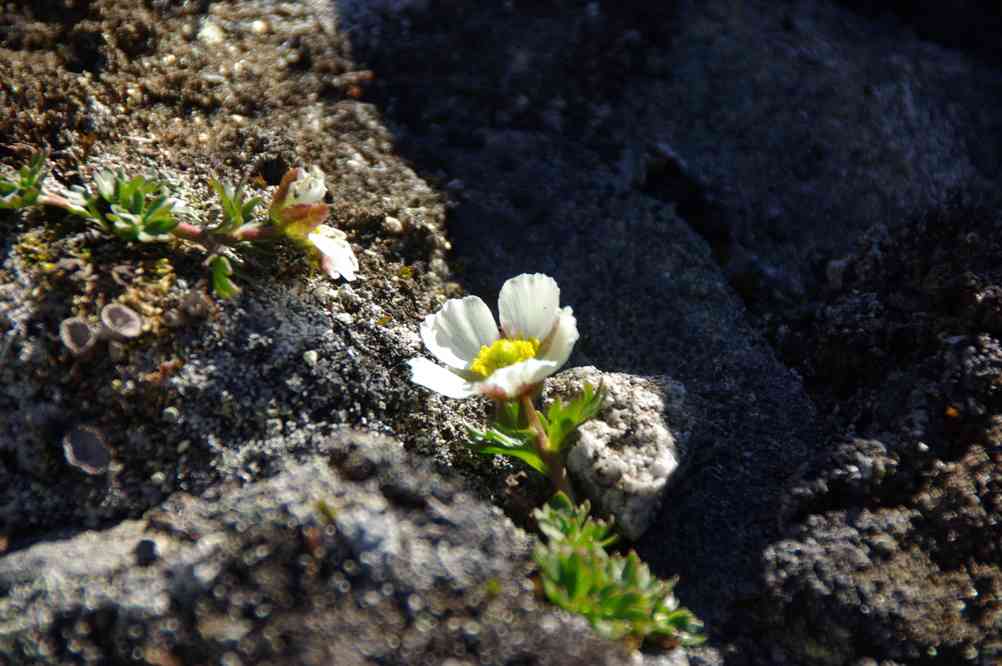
x=618 y=595
x=563 y=419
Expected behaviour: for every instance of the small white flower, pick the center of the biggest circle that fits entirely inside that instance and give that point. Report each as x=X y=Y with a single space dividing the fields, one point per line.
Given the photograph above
x=309 y=188
x=535 y=340
x=336 y=256
x=297 y=206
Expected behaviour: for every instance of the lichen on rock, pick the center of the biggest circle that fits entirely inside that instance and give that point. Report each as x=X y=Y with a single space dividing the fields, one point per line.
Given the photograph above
x=624 y=458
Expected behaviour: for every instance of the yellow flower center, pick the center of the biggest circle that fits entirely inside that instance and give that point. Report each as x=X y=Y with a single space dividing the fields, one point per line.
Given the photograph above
x=501 y=354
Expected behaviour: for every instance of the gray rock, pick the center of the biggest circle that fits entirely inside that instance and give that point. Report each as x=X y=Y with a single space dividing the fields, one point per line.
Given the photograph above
x=375 y=557
x=623 y=458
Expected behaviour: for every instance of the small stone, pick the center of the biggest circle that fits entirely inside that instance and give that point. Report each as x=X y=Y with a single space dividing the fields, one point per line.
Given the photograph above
x=158 y=478
x=211 y=33
x=171 y=415
x=310 y=358
x=392 y=225
x=625 y=456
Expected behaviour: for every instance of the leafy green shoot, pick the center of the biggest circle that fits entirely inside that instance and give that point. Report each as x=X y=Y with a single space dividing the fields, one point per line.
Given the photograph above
x=221 y=272
x=618 y=595
x=562 y=420
x=135 y=209
x=237 y=209
x=510 y=435
x=503 y=442
x=23 y=191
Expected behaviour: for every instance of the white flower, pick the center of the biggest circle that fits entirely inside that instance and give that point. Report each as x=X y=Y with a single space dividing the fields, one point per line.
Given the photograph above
x=336 y=256
x=308 y=188
x=535 y=340
x=297 y=206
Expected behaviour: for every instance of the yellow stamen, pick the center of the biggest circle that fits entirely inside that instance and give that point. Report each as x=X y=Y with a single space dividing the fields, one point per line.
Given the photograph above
x=501 y=354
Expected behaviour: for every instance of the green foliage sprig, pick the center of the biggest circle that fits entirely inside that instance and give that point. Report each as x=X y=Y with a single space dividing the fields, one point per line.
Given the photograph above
x=141 y=209
x=540 y=439
x=618 y=595
x=238 y=210
x=25 y=189
x=134 y=209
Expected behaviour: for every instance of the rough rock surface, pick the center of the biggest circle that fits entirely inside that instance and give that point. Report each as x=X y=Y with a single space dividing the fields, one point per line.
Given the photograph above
x=893 y=538
x=662 y=159
x=624 y=458
x=211 y=390
x=719 y=187
x=364 y=555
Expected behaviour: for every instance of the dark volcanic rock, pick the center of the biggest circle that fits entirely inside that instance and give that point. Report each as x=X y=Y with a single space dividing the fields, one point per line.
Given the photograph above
x=665 y=167
x=674 y=165
x=893 y=540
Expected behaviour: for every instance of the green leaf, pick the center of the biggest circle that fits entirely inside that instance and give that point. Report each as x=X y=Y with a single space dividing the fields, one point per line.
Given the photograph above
x=221 y=271
x=528 y=456
x=248 y=207
x=616 y=594
x=562 y=420
x=497 y=443
x=236 y=210
x=23 y=191
x=509 y=415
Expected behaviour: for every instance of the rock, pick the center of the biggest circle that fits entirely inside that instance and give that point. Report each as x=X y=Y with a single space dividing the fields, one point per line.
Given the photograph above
x=308 y=567
x=623 y=458
x=248 y=381
x=891 y=548
x=720 y=190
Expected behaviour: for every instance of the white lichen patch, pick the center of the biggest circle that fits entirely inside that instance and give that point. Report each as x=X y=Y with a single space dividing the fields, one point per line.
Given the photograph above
x=624 y=458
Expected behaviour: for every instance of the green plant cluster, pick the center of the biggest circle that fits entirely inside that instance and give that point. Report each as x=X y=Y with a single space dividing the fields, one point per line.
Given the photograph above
x=618 y=595
x=140 y=209
x=512 y=434
x=134 y=209
x=25 y=190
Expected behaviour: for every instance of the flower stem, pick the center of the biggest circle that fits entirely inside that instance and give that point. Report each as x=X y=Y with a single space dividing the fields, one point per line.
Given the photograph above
x=553 y=460
x=47 y=199
x=188 y=231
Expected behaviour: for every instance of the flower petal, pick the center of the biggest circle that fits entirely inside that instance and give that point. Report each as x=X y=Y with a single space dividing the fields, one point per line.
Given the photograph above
x=338 y=259
x=529 y=305
x=560 y=343
x=514 y=380
x=300 y=220
x=441 y=380
x=455 y=334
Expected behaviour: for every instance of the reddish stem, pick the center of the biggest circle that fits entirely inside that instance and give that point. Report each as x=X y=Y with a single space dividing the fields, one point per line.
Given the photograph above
x=47 y=199
x=188 y=231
